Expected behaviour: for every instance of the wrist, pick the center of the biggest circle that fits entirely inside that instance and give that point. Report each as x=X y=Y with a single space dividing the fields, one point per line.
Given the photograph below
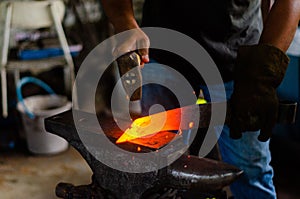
x=261 y=62
x=122 y=23
x=273 y=52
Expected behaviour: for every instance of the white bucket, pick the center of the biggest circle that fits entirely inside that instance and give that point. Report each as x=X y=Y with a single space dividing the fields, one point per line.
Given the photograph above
x=34 y=110
x=38 y=140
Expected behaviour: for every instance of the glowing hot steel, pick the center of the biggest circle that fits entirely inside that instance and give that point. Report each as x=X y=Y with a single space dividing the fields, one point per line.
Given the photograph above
x=143 y=127
x=175 y=119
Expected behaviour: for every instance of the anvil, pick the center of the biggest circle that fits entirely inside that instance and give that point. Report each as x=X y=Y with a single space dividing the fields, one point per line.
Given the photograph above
x=185 y=174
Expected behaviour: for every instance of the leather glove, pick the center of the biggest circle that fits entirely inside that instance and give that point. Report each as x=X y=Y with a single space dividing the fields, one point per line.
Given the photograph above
x=254 y=104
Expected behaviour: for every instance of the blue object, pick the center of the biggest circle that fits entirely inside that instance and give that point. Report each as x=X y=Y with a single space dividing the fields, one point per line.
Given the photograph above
x=43 y=53
x=26 y=80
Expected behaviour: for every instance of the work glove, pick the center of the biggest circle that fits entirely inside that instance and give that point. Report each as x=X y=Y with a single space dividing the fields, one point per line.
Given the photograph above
x=258 y=71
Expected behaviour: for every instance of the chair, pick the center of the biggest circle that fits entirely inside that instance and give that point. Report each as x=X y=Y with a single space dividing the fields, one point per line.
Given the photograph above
x=33 y=15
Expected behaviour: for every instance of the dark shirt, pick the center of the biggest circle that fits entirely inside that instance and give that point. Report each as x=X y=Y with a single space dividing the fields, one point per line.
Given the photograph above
x=220 y=26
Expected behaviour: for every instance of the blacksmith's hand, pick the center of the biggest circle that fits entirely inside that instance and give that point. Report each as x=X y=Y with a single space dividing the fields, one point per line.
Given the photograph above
x=258 y=71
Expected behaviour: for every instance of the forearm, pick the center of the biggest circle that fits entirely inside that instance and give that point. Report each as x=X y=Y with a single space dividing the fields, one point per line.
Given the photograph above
x=265 y=8
x=281 y=24
x=120 y=14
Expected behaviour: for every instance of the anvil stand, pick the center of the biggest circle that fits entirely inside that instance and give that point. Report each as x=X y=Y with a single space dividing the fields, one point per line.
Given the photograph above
x=203 y=177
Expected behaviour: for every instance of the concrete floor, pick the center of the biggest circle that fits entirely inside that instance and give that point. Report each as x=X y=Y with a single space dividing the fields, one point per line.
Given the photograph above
x=24 y=176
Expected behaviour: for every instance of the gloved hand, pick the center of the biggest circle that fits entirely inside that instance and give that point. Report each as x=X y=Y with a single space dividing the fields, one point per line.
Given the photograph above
x=254 y=104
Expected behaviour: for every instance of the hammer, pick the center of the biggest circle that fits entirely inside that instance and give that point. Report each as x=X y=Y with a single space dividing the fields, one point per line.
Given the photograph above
x=130 y=73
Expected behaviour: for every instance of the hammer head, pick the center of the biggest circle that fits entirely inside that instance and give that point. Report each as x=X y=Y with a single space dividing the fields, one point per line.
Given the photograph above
x=130 y=74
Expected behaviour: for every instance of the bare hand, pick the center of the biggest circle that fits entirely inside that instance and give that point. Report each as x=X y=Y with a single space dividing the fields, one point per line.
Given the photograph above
x=133 y=40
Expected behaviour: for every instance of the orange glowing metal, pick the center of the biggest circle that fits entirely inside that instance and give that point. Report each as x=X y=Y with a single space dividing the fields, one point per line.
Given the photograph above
x=175 y=119
x=155 y=141
x=143 y=127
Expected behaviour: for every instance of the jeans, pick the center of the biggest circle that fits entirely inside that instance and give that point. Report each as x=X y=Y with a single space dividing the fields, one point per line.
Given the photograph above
x=248 y=154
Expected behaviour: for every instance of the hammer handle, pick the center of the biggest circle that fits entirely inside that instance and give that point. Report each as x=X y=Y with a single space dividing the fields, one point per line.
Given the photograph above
x=130 y=74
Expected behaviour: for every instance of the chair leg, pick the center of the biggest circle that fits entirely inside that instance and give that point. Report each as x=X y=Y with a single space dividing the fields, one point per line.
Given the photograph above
x=4 y=93
x=3 y=63
x=16 y=77
x=67 y=77
x=65 y=47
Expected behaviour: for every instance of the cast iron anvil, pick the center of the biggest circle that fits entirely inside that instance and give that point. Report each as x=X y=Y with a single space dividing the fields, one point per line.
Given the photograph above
x=187 y=173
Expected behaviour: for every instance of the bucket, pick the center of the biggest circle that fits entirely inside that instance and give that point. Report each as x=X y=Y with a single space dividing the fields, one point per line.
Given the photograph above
x=34 y=110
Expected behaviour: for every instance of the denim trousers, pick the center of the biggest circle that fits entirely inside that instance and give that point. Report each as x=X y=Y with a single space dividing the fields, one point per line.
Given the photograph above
x=246 y=153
